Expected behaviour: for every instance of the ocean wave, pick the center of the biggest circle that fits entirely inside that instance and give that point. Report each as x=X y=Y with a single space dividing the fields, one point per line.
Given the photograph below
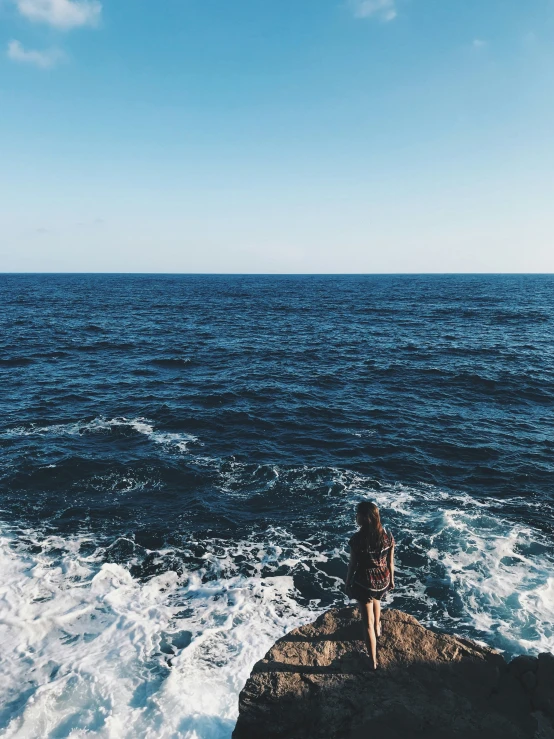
x=119 y=639
x=15 y=362
x=99 y=346
x=466 y=563
x=172 y=362
x=529 y=316
x=58 y=354
x=88 y=648
x=143 y=426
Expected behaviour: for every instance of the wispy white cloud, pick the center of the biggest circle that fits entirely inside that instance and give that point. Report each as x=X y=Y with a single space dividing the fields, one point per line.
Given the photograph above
x=43 y=59
x=63 y=14
x=479 y=43
x=385 y=10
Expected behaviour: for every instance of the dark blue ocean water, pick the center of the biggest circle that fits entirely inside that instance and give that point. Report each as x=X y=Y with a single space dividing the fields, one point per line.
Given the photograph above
x=181 y=457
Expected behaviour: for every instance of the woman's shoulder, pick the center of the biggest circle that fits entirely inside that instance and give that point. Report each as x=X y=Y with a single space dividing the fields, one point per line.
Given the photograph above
x=354 y=540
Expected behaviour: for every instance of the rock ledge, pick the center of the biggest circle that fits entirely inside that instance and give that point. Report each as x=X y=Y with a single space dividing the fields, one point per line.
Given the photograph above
x=315 y=683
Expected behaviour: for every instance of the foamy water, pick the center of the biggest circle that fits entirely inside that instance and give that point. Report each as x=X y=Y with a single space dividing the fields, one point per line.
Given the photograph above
x=101 y=425
x=86 y=648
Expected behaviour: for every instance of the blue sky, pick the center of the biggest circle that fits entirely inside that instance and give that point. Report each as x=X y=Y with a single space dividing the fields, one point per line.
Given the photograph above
x=277 y=135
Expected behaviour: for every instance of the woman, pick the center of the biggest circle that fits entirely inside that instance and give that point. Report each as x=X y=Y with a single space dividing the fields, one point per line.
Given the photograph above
x=370 y=571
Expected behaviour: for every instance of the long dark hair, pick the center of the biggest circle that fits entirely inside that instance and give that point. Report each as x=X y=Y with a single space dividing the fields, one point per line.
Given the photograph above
x=369 y=520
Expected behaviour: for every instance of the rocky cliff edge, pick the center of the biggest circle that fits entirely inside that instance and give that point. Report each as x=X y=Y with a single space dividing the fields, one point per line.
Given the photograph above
x=316 y=683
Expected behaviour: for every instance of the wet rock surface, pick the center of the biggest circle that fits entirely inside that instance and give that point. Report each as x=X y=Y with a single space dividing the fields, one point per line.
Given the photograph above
x=317 y=683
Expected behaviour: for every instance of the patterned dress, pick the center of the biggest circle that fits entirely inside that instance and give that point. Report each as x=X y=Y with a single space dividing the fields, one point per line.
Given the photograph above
x=372 y=577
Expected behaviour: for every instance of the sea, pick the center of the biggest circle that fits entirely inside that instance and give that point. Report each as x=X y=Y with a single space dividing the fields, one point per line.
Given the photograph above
x=181 y=457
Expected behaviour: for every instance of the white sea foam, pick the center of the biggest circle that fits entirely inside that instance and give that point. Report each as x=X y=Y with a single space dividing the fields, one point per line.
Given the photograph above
x=141 y=425
x=85 y=646
x=479 y=571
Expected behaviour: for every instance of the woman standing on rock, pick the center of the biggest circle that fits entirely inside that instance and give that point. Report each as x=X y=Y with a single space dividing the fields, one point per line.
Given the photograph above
x=370 y=571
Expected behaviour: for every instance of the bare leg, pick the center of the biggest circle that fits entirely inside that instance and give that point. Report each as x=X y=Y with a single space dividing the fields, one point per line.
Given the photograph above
x=365 y=625
x=377 y=616
x=369 y=631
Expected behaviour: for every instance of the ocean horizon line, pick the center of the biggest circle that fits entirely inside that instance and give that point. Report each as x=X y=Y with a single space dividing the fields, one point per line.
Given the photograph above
x=285 y=274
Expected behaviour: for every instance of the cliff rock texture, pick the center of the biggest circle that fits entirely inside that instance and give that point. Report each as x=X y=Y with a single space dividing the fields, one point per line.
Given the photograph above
x=315 y=683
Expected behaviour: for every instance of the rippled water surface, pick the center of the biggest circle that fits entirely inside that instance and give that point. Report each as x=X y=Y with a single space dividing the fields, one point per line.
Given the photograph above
x=181 y=457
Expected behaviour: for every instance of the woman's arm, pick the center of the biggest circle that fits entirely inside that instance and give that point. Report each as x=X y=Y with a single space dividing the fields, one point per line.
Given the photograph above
x=351 y=571
x=391 y=566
